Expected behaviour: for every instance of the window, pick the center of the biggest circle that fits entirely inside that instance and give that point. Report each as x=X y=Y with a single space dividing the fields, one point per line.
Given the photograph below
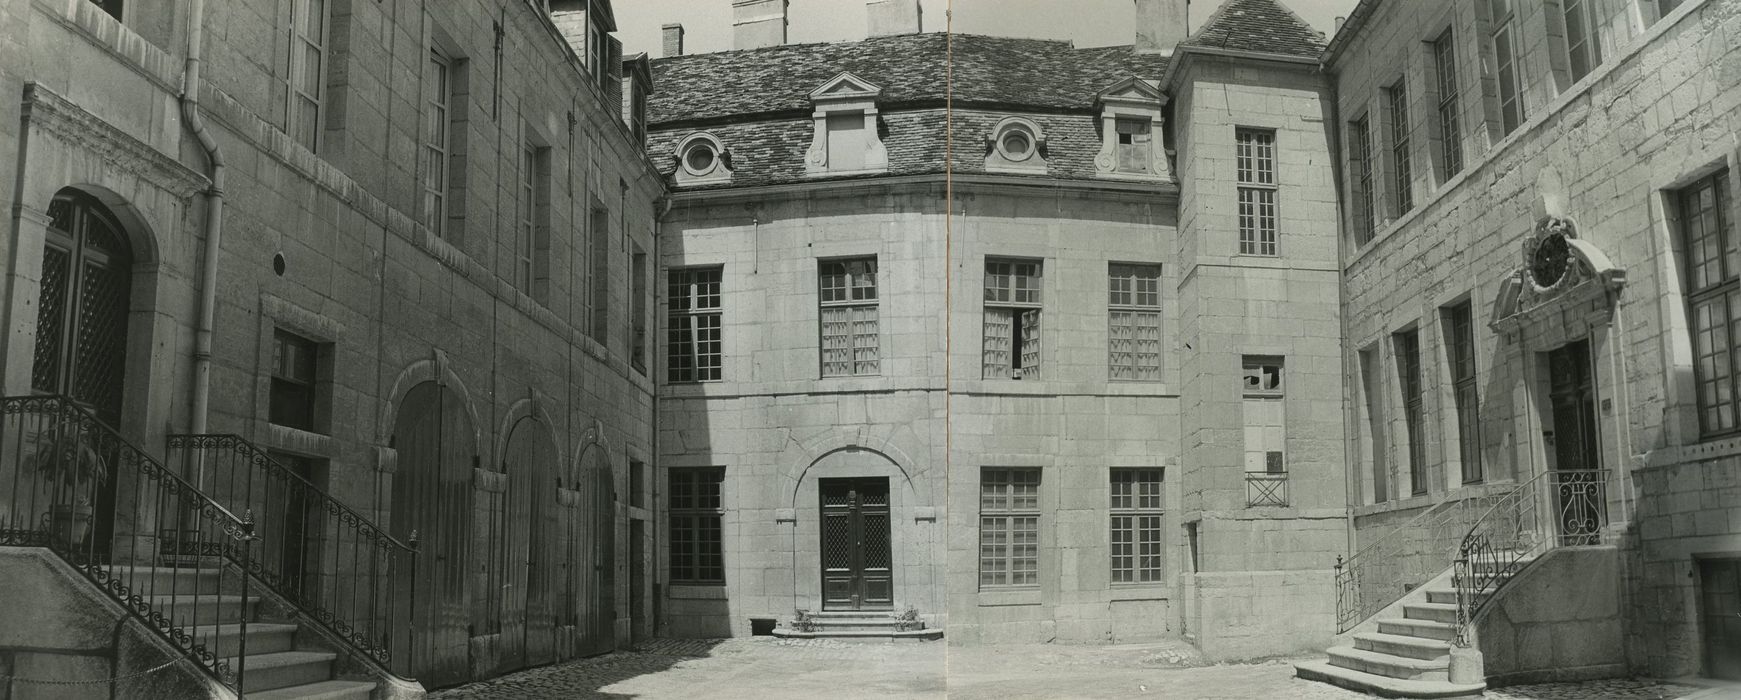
x=1265 y=415
x=109 y=7
x=697 y=551
x=850 y=338
x=598 y=274
x=531 y=231
x=438 y=142
x=1134 y=144
x=1136 y=526
x=1401 y=178
x=1460 y=350
x=599 y=53
x=693 y=336
x=638 y=309
x=1256 y=157
x=1663 y=7
x=1511 y=113
x=306 y=80
x=1450 y=134
x=846 y=143
x=294 y=393
x=1009 y=527
x=1012 y=319
x=702 y=158
x=844 y=111
x=1408 y=372
x=1133 y=334
x=1713 y=297
x=1583 y=49
x=1360 y=163
x=1370 y=378
x=1014 y=146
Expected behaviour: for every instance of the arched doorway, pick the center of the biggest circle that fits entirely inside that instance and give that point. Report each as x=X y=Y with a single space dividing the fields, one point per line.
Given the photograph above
x=593 y=551
x=81 y=326
x=529 y=613
x=432 y=495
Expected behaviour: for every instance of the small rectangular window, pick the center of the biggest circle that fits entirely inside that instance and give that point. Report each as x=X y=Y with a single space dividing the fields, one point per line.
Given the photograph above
x=1009 y=527
x=295 y=360
x=1408 y=372
x=1133 y=335
x=1135 y=146
x=1460 y=353
x=1450 y=128
x=1402 y=179
x=697 y=541
x=693 y=346
x=1136 y=545
x=1360 y=163
x=846 y=141
x=1713 y=268
x=1012 y=319
x=1255 y=151
x=849 y=313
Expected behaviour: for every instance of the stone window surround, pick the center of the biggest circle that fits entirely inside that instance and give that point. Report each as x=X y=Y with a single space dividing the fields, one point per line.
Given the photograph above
x=276 y=313
x=295 y=73
x=999 y=159
x=1448 y=420
x=1132 y=98
x=1680 y=421
x=719 y=171
x=845 y=94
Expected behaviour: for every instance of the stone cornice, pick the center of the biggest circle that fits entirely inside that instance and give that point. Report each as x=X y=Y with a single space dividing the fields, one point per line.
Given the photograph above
x=58 y=117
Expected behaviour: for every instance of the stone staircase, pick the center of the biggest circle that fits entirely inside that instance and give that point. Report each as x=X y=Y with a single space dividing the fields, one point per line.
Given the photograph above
x=283 y=660
x=1407 y=656
x=867 y=625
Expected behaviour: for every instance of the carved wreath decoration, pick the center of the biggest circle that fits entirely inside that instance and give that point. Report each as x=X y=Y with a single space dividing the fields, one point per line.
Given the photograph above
x=1548 y=254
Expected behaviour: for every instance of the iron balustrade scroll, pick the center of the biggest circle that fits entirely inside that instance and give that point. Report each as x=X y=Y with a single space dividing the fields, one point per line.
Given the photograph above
x=171 y=556
x=340 y=568
x=1557 y=508
x=1408 y=556
x=1266 y=489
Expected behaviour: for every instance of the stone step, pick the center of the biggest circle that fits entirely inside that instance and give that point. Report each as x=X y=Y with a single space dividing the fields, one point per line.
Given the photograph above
x=1362 y=681
x=1446 y=596
x=847 y=622
x=1422 y=629
x=876 y=614
x=1437 y=612
x=167 y=580
x=263 y=638
x=284 y=669
x=862 y=635
x=201 y=610
x=1390 y=665
x=1404 y=646
x=324 y=690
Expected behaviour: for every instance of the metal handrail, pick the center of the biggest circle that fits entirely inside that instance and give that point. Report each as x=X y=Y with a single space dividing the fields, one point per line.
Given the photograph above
x=356 y=564
x=1362 y=586
x=59 y=468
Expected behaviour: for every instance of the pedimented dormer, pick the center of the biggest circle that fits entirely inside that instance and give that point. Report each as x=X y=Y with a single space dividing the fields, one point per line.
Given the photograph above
x=846 y=140
x=1130 y=132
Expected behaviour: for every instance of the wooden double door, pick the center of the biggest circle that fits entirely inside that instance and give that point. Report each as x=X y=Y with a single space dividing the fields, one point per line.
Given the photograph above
x=1720 y=610
x=857 y=572
x=1580 y=493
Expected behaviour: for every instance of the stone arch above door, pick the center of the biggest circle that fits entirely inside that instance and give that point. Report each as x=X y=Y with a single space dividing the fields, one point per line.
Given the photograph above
x=814 y=450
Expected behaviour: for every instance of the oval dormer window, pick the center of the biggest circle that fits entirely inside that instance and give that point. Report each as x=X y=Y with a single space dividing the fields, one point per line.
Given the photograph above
x=700 y=159
x=1016 y=143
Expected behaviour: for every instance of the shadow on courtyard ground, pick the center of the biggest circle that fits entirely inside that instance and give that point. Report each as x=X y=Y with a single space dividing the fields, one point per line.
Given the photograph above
x=588 y=678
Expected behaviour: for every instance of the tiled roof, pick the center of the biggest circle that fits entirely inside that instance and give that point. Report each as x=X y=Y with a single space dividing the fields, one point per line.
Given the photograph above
x=1261 y=26
x=910 y=69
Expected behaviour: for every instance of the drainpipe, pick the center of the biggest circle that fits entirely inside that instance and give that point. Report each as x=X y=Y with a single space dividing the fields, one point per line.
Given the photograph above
x=202 y=344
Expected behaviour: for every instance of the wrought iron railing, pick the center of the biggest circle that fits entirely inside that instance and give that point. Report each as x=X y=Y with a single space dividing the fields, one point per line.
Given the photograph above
x=336 y=565
x=151 y=541
x=1565 y=507
x=1266 y=489
x=1382 y=572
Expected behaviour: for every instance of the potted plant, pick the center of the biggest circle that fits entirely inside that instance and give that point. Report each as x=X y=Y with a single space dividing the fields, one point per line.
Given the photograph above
x=78 y=470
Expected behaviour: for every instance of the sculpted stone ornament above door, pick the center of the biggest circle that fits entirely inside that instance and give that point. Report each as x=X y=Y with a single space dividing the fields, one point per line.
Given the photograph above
x=1557 y=272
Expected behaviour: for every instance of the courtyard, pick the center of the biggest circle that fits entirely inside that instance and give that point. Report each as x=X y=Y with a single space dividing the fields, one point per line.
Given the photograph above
x=766 y=668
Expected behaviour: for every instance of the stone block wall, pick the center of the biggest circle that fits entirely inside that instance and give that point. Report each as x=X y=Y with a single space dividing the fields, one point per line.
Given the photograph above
x=1559 y=620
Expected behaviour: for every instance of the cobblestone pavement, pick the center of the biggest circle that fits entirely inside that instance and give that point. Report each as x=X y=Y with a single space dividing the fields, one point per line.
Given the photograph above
x=764 y=668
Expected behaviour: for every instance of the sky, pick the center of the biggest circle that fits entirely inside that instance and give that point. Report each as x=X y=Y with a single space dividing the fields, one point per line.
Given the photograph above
x=707 y=23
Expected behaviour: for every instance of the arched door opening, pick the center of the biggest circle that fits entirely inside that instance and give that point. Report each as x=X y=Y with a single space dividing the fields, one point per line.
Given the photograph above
x=432 y=495
x=531 y=530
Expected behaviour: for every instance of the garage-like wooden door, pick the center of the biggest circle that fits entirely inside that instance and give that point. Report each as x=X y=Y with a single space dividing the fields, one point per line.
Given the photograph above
x=432 y=495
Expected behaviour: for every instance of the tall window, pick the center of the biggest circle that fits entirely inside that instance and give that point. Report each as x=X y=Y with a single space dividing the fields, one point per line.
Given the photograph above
x=1401 y=177
x=598 y=271
x=306 y=80
x=1264 y=414
x=1505 y=61
x=1583 y=48
x=638 y=309
x=1450 y=130
x=693 y=332
x=1134 y=145
x=1663 y=7
x=1256 y=151
x=1408 y=371
x=1460 y=348
x=1360 y=163
x=533 y=213
x=846 y=141
x=437 y=142
x=1713 y=297
x=1133 y=312
x=1012 y=319
x=850 y=339
x=294 y=360
x=697 y=551
x=1009 y=527
x=1136 y=526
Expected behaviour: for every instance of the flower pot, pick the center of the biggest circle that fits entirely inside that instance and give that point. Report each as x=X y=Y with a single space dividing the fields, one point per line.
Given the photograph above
x=69 y=522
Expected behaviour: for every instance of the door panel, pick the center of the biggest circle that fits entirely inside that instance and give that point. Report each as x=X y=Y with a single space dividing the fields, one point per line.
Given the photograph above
x=1579 y=496
x=855 y=547
x=1720 y=604
x=432 y=496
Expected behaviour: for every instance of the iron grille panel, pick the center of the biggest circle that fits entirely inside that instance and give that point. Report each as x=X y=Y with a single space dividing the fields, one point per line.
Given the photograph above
x=50 y=320
x=102 y=335
x=876 y=540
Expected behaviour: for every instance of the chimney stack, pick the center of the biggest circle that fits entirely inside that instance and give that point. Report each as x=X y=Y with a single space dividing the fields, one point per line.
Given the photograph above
x=1339 y=21
x=894 y=17
x=1160 y=25
x=758 y=23
x=673 y=40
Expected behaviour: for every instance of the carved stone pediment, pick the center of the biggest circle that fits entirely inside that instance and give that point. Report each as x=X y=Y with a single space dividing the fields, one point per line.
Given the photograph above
x=77 y=127
x=846 y=86
x=1558 y=271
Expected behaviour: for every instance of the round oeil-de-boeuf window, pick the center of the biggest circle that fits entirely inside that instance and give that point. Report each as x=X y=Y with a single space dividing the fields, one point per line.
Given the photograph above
x=1549 y=261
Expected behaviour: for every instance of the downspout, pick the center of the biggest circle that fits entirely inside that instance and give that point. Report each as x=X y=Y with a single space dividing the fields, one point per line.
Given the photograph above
x=202 y=343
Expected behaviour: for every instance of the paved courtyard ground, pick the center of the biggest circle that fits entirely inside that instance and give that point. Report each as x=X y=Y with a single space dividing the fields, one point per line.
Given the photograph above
x=764 y=668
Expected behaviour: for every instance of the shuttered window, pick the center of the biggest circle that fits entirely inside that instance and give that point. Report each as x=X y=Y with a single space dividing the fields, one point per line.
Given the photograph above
x=850 y=331
x=1012 y=319
x=1134 y=322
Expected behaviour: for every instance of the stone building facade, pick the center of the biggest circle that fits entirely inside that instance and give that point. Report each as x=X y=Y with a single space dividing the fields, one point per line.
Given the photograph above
x=444 y=259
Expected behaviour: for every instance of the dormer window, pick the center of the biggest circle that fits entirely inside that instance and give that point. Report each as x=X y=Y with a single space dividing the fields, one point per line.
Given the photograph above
x=1014 y=146
x=1130 y=117
x=702 y=159
x=846 y=140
